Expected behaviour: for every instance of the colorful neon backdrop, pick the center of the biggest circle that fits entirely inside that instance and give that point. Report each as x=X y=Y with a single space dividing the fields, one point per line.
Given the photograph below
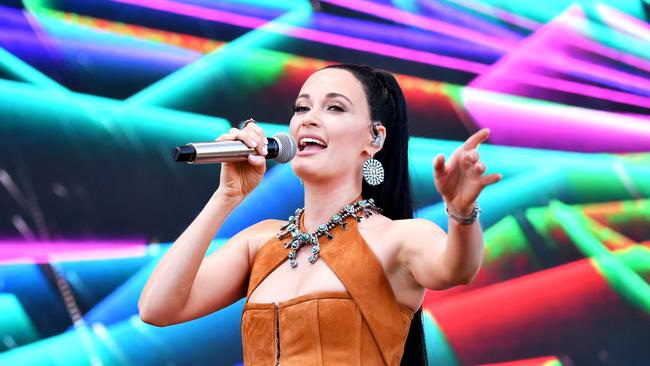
x=93 y=95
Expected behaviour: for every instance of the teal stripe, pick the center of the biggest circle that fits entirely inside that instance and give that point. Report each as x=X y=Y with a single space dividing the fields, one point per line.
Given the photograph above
x=439 y=351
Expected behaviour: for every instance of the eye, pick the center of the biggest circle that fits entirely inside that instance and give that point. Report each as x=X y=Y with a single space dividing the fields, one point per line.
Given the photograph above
x=334 y=107
x=300 y=109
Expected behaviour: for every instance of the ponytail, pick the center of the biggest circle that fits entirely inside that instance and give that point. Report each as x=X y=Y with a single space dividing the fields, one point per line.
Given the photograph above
x=387 y=105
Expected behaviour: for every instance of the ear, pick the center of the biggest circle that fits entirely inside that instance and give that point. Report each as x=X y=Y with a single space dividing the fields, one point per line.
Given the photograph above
x=377 y=135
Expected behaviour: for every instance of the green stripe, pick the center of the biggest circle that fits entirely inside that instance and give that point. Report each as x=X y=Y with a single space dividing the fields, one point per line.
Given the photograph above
x=627 y=283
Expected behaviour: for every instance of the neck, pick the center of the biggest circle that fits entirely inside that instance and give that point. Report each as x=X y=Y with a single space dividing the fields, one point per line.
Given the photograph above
x=324 y=200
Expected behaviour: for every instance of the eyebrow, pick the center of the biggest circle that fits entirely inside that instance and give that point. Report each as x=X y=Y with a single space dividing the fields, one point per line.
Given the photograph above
x=329 y=95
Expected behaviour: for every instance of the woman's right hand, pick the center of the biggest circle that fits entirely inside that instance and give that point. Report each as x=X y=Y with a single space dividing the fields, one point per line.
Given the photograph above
x=239 y=178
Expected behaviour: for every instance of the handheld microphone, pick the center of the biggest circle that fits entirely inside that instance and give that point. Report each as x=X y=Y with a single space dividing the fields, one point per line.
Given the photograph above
x=281 y=148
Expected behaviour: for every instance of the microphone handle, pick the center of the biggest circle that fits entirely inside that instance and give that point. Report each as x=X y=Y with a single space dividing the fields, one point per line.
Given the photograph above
x=219 y=152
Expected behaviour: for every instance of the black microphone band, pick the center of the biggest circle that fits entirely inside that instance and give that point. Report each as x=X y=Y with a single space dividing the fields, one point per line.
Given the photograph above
x=184 y=154
x=273 y=148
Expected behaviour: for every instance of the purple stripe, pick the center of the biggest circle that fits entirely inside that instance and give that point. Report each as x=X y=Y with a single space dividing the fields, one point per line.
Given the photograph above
x=314 y=35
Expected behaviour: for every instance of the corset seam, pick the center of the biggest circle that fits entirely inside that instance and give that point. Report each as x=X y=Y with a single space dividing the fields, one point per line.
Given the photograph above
x=319 y=345
x=359 y=330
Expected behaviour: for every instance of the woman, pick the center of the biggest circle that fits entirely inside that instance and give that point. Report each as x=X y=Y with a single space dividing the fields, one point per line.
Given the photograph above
x=323 y=288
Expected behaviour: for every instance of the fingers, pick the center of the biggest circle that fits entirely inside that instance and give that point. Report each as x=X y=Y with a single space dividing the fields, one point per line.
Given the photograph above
x=226 y=137
x=439 y=165
x=476 y=139
x=259 y=131
x=469 y=160
x=258 y=135
x=471 y=156
x=252 y=135
x=473 y=165
x=250 y=138
x=256 y=160
x=491 y=179
x=478 y=168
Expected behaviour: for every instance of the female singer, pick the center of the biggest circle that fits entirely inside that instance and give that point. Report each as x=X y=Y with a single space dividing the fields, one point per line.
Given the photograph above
x=344 y=278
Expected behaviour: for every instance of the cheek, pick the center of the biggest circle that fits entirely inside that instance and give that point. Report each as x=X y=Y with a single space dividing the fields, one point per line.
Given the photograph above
x=293 y=126
x=348 y=136
x=348 y=146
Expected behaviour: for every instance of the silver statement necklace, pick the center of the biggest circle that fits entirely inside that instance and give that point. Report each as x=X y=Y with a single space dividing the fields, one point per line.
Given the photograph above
x=358 y=209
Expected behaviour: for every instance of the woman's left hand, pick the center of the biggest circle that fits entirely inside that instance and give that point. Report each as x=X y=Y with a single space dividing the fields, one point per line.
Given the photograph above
x=461 y=179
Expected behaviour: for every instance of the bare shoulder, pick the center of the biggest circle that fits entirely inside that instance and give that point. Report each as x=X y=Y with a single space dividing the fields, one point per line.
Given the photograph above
x=260 y=233
x=415 y=234
x=409 y=228
x=265 y=226
x=405 y=230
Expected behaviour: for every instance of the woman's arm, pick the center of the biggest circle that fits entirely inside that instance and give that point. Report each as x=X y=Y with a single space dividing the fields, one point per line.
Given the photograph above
x=174 y=293
x=184 y=285
x=463 y=253
x=438 y=260
x=421 y=244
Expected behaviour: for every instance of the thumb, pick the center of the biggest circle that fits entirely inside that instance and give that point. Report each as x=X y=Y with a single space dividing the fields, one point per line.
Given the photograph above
x=439 y=165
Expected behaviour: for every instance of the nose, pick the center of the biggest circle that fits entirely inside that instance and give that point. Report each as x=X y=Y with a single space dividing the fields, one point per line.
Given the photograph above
x=310 y=120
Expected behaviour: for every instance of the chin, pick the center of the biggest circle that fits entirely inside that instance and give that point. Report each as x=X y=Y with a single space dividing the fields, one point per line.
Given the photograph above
x=302 y=168
x=306 y=169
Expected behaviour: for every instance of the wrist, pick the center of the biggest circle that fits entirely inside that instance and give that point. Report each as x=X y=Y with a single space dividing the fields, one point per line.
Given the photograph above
x=460 y=211
x=466 y=216
x=231 y=200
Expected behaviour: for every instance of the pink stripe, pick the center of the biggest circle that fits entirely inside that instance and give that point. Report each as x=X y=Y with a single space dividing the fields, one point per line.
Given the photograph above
x=404 y=17
x=562 y=63
x=550 y=41
x=14 y=252
x=571 y=87
x=314 y=35
x=611 y=53
x=521 y=121
x=389 y=50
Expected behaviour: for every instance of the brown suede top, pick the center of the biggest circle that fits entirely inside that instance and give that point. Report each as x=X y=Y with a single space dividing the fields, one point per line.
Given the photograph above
x=364 y=325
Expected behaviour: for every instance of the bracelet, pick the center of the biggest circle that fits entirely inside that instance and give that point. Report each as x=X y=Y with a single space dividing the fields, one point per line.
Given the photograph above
x=465 y=220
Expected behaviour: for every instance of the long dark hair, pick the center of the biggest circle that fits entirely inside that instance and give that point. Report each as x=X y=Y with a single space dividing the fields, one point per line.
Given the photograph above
x=388 y=106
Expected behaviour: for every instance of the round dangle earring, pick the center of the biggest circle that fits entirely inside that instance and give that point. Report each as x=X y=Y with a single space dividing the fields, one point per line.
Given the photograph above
x=373 y=171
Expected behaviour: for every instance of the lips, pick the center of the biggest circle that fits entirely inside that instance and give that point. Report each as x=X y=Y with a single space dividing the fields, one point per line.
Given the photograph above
x=308 y=145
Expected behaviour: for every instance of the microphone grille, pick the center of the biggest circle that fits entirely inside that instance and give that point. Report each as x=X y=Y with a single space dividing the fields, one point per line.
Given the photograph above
x=286 y=147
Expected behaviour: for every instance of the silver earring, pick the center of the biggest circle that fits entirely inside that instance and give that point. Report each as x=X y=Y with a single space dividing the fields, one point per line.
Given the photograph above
x=373 y=171
x=376 y=141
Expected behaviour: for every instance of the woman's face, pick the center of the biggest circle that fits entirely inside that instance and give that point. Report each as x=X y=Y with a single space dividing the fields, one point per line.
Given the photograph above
x=331 y=125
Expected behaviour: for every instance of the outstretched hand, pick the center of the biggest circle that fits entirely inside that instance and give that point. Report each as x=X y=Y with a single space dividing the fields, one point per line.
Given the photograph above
x=461 y=179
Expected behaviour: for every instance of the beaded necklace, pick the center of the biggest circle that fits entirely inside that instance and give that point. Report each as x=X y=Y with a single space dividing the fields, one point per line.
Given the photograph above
x=299 y=238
